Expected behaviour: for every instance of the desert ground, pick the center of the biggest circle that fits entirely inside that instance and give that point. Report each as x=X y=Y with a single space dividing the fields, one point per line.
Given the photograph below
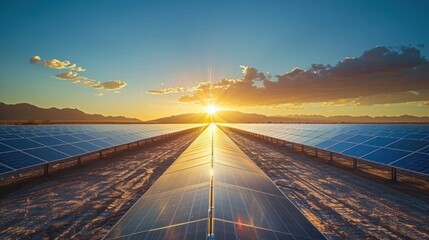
x=85 y=203
x=342 y=203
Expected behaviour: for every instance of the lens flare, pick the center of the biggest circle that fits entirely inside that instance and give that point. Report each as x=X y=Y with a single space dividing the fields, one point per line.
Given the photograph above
x=211 y=109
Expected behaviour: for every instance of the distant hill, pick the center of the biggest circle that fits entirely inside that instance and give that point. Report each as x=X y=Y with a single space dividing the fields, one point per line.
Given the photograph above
x=239 y=117
x=24 y=113
x=27 y=113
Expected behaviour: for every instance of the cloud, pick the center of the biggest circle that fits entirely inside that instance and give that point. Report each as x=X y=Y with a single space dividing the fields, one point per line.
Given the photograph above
x=35 y=59
x=202 y=86
x=381 y=75
x=99 y=94
x=79 y=69
x=170 y=90
x=67 y=76
x=73 y=75
x=57 y=64
x=111 y=85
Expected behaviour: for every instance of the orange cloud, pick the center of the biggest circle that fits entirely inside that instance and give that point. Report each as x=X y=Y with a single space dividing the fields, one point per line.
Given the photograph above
x=380 y=75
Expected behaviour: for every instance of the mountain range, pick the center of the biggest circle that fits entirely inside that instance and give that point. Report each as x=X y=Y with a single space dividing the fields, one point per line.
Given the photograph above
x=25 y=113
x=239 y=117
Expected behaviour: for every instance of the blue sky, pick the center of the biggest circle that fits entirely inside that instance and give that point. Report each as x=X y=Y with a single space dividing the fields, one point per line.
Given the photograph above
x=146 y=43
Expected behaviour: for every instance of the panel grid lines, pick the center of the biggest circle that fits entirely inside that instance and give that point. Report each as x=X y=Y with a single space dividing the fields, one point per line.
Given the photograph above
x=50 y=143
x=389 y=144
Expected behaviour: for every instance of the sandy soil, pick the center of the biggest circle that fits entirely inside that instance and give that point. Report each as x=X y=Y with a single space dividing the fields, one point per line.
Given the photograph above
x=84 y=203
x=341 y=202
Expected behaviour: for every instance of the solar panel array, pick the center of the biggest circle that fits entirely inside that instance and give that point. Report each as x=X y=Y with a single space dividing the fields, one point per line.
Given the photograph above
x=213 y=172
x=27 y=146
x=404 y=146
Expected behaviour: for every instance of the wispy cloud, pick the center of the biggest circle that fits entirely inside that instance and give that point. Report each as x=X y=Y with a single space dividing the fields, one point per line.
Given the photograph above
x=73 y=75
x=381 y=75
x=171 y=90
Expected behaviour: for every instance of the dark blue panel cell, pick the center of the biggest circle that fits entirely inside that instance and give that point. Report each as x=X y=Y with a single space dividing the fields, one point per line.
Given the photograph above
x=21 y=143
x=359 y=138
x=83 y=136
x=97 y=135
x=18 y=160
x=381 y=141
x=227 y=230
x=339 y=147
x=424 y=150
x=41 y=134
x=398 y=135
x=194 y=230
x=4 y=148
x=87 y=146
x=101 y=143
x=416 y=136
x=48 y=141
x=385 y=155
x=69 y=149
x=68 y=138
x=415 y=162
x=409 y=144
x=4 y=169
x=27 y=135
x=359 y=150
x=47 y=154
x=326 y=144
x=342 y=137
x=112 y=141
x=10 y=136
x=383 y=134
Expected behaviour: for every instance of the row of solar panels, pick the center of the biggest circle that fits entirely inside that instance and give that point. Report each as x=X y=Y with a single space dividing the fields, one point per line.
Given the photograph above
x=26 y=146
x=400 y=145
x=247 y=205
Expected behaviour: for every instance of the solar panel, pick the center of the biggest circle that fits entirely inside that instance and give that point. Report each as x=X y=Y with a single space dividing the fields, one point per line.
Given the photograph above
x=69 y=149
x=30 y=145
x=192 y=231
x=19 y=160
x=359 y=138
x=100 y=143
x=47 y=154
x=68 y=138
x=247 y=205
x=359 y=150
x=5 y=169
x=409 y=144
x=49 y=141
x=21 y=143
x=398 y=145
x=5 y=148
x=417 y=162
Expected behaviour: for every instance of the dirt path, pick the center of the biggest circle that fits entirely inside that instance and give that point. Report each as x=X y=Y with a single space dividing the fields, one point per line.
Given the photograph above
x=85 y=203
x=340 y=203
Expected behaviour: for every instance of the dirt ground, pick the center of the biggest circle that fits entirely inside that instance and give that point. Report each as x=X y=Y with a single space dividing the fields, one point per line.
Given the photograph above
x=84 y=203
x=342 y=203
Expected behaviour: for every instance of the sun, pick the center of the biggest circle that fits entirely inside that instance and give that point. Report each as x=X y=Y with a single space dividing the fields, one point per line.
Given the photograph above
x=211 y=109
